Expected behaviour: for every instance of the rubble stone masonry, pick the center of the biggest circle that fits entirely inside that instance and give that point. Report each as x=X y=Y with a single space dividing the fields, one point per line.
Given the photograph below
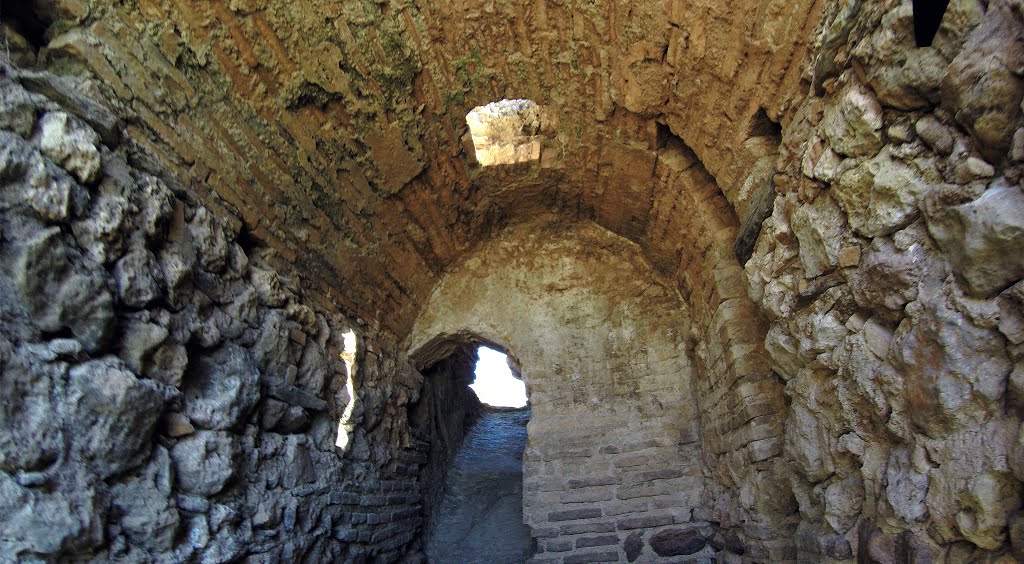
x=763 y=274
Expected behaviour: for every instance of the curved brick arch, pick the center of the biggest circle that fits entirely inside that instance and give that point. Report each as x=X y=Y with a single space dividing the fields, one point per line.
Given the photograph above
x=741 y=403
x=353 y=163
x=605 y=373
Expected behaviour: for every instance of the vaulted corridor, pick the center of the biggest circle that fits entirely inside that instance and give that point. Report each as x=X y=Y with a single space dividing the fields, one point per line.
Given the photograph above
x=757 y=264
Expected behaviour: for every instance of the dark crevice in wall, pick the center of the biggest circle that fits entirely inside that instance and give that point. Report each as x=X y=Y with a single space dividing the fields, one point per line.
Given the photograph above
x=662 y=134
x=248 y=240
x=760 y=210
x=762 y=197
x=27 y=19
x=927 y=19
x=763 y=126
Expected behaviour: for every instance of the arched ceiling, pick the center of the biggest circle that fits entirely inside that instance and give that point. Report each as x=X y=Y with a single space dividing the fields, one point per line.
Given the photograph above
x=532 y=289
x=336 y=129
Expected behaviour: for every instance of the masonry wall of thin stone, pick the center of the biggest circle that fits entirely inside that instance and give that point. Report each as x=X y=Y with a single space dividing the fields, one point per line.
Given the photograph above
x=167 y=394
x=740 y=401
x=613 y=454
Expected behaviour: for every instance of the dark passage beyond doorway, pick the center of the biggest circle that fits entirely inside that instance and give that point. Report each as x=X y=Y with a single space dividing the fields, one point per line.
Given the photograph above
x=480 y=517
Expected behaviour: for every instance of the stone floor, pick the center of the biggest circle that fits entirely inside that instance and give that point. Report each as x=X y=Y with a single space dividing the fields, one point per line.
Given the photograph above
x=480 y=518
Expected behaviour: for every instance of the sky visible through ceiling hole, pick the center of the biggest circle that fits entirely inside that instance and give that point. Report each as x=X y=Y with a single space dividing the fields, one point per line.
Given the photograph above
x=494 y=384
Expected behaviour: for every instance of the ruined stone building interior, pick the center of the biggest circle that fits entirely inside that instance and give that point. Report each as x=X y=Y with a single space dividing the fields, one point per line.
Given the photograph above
x=757 y=264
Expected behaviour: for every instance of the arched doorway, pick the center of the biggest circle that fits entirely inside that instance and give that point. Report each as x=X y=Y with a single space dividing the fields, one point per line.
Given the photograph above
x=613 y=450
x=473 y=480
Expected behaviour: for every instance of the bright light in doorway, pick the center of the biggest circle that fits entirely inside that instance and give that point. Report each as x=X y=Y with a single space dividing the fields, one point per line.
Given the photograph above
x=494 y=384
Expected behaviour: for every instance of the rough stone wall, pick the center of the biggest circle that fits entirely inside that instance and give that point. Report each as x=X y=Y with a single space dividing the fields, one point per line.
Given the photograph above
x=446 y=408
x=891 y=272
x=167 y=394
x=613 y=457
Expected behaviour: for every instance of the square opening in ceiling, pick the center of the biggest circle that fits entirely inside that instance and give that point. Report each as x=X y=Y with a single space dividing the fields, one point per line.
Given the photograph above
x=506 y=132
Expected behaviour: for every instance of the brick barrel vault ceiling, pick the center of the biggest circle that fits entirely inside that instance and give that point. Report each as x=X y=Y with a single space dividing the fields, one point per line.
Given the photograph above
x=333 y=130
